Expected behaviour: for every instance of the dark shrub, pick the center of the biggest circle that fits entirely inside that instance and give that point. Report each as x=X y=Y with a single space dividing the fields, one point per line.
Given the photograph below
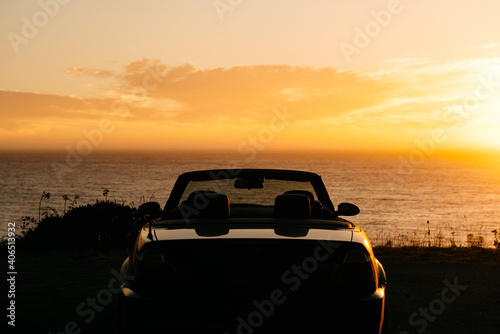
x=100 y=225
x=103 y=224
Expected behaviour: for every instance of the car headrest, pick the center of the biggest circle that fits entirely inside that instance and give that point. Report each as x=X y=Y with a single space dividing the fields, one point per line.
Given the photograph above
x=208 y=204
x=292 y=206
x=207 y=193
x=301 y=192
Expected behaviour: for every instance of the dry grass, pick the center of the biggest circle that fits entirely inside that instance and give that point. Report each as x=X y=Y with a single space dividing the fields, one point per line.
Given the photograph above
x=440 y=237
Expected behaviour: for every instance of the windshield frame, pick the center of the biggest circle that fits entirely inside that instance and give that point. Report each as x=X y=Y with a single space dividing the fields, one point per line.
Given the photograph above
x=222 y=174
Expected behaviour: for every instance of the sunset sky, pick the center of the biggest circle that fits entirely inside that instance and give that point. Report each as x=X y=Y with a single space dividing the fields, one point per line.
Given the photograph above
x=242 y=75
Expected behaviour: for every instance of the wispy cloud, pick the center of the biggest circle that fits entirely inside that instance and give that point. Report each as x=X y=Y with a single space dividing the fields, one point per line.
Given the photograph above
x=402 y=94
x=486 y=46
x=98 y=73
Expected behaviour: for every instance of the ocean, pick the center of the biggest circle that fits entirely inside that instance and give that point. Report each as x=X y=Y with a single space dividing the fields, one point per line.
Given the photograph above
x=403 y=200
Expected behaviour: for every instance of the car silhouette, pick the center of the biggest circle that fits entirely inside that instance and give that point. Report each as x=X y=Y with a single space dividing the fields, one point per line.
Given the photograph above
x=251 y=251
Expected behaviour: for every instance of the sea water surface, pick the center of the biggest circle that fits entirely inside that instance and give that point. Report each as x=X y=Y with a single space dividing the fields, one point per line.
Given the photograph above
x=396 y=197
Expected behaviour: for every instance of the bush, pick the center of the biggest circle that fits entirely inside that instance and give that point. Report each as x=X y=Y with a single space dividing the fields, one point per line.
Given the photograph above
x=101 y=225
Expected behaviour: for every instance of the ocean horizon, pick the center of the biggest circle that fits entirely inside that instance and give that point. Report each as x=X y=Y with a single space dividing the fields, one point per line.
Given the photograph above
x=397 y=195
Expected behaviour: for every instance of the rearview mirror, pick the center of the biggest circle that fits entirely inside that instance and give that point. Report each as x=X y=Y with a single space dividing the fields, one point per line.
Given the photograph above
x=253 y=183
x=347 y=209
x=151 y=209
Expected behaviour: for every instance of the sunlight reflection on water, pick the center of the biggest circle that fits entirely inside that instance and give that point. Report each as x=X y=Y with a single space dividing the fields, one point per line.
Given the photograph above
x=458 y=198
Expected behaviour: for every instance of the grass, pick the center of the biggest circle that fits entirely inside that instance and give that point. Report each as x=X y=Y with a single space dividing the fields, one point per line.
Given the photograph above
x=436 y=238
x=109 y=224
x=440 y=254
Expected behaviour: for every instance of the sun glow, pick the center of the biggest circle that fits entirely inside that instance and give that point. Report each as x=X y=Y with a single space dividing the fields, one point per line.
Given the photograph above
x=215 y=82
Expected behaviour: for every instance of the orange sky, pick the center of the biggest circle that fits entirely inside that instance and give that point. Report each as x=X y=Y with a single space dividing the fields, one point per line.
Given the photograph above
x=371 y=76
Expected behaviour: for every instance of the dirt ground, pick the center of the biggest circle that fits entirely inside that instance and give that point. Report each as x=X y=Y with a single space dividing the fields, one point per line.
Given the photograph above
x=417 y=279
x=429 y=291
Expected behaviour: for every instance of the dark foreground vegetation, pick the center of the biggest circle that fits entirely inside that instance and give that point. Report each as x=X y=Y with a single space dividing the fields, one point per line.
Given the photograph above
x=67 y=273
x=101 y=225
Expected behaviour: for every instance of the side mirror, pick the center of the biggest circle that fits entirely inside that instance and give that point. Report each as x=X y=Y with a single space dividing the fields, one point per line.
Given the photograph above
x=347 y=209
x=151 y=209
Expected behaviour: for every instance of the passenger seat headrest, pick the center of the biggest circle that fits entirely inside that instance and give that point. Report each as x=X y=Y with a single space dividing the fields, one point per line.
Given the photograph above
x=209 y=204
x=292 y=206
x=301 y=192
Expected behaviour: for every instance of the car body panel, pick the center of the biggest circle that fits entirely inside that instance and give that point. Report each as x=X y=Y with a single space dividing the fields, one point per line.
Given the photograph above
x=246 y=231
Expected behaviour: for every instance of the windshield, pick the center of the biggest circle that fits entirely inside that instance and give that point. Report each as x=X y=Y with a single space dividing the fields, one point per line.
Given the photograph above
x=264 y=195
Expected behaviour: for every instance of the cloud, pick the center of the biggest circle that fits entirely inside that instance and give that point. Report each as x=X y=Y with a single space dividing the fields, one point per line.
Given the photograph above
x=19 y=109
x=147 y=94
x=249 y=92
x=98 y=73
x=486 y=46
x=408 y=92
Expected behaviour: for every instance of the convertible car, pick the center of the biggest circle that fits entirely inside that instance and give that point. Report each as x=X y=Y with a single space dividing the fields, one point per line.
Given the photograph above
x=251 y=251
